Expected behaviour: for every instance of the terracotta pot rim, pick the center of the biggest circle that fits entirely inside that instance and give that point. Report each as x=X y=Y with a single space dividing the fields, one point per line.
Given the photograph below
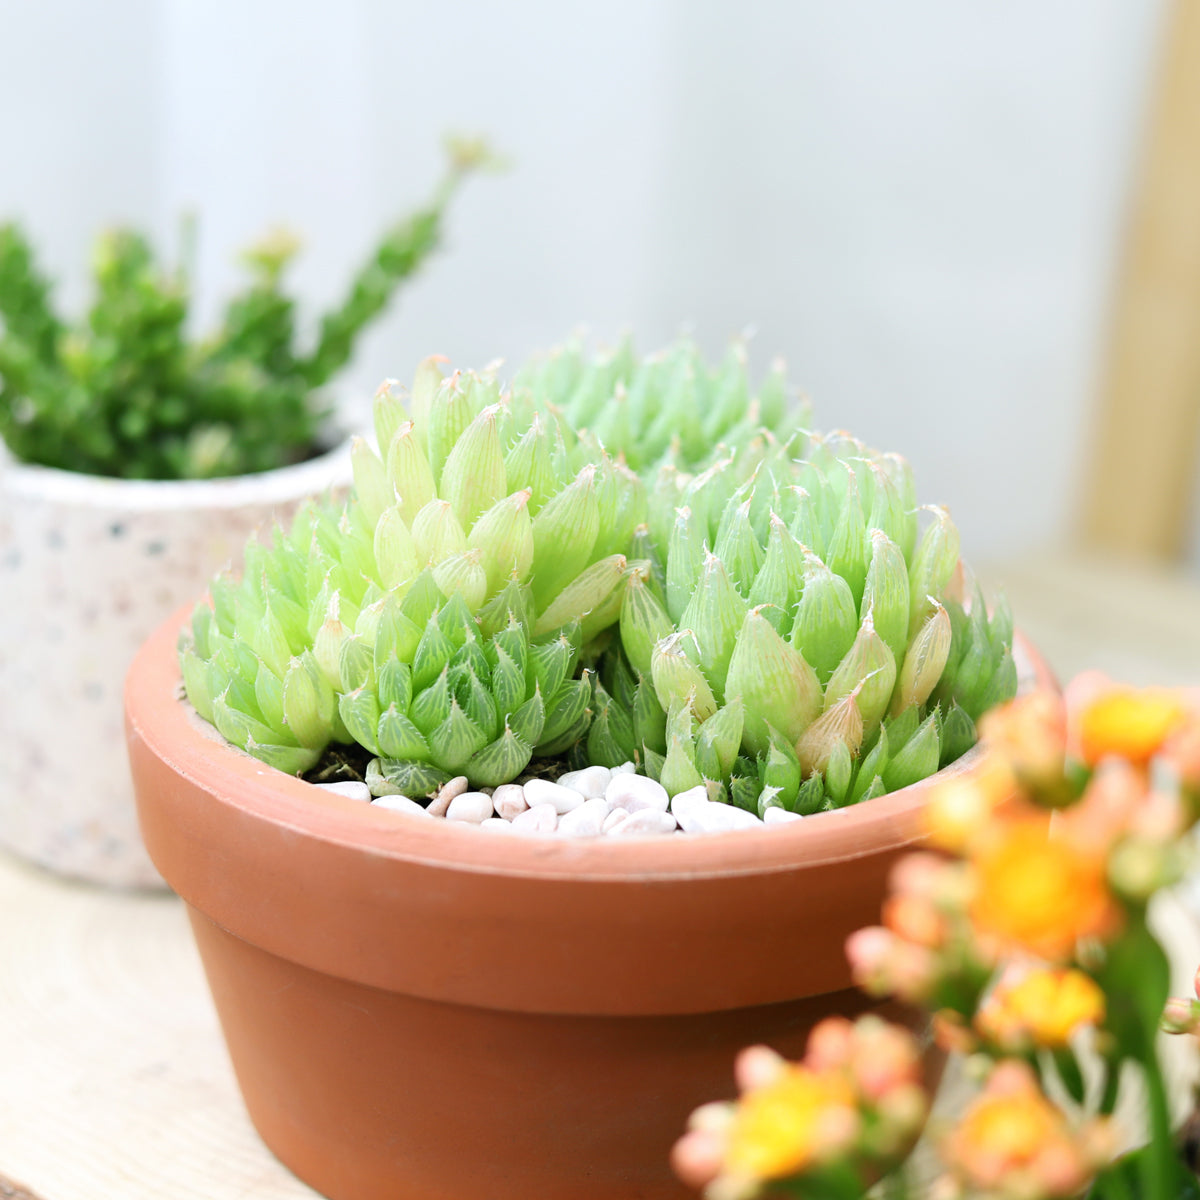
x=78 y=489
x=197 y=752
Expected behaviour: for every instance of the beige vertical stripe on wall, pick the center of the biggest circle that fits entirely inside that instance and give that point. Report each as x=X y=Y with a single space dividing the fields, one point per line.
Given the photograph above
x=1140 y=477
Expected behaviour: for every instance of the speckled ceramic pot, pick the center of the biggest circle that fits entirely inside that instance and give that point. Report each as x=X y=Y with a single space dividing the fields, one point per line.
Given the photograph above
x=419 y=1009
x=88 y=567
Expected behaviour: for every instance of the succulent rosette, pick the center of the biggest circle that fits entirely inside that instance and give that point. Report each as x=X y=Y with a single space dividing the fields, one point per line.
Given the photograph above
x=438 y=616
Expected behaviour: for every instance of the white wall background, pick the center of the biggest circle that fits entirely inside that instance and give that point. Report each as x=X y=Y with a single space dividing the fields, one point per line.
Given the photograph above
x=919 y=204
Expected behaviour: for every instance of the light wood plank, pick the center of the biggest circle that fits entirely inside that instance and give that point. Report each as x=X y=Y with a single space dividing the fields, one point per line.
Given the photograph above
x=1140 y=482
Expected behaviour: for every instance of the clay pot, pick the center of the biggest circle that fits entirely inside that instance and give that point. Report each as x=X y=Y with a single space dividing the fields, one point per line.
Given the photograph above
x=89 y=566
x=419 y=1009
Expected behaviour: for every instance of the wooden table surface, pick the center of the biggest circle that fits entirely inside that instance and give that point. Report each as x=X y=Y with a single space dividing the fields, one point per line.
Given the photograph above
x=114 y=1083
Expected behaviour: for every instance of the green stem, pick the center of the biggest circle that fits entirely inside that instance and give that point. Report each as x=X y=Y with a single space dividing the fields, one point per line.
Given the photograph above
x=1158 y=1164
x=1112 y=1086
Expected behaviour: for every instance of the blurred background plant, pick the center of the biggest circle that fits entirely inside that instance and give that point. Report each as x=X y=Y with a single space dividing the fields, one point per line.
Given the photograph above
x=1026 y=940
x=128 y=392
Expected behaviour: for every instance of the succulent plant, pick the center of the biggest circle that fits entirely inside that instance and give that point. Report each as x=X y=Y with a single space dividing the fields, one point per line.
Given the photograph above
x=437 y=618
x=796 y=640
x=127 y=394
x=767 y=613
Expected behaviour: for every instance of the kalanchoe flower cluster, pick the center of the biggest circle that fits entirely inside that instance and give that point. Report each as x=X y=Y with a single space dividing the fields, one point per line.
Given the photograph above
x=437 y=618
x=801 y=635
x=1026 y=939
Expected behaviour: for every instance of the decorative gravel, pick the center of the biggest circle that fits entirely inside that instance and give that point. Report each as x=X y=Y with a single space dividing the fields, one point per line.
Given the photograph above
x=594 y=802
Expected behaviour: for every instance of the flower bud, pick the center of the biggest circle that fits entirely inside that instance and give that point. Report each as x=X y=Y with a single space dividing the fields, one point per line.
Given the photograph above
x=775 y=683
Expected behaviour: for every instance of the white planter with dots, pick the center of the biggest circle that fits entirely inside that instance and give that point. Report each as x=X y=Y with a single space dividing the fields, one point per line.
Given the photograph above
x=89 y=566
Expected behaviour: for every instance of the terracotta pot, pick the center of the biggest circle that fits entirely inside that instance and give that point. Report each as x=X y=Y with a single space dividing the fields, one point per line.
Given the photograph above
x=424 y=1010
x=89 y=566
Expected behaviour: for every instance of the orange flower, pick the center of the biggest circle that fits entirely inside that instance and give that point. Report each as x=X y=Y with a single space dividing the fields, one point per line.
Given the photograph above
x=1031 y=735
x=1129 y=723
x=962 y=805
x=1040 y=893
x=803 y=1117
x=1013 y=1141
x=1042 y=1006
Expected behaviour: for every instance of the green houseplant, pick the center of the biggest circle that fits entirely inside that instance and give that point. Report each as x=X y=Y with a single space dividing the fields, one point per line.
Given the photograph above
x=408 y=973
x=134 y=461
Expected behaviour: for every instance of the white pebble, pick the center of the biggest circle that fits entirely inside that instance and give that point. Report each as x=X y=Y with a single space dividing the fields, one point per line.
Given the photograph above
x=541 y=818
x=589 y=783
x=472 y=807
x=626 y=768
x=636 y=792
x=496 y=823
x=780 y=816
x=722 y=818
x=614 y=818
x=401 y=804
x=446 y=793
x=542 y=791
x=351 y=789
x=644 y=821
x=585 y=821
x=685 y=804
x=509 y=800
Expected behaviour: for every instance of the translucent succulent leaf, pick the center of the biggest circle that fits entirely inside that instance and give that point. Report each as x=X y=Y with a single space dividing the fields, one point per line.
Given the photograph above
x=846 y=553
x=528 y=722
x=958 y=735
x=532 y=462
x=677 y=679
x=327 y=645
x=811 y=796
x=588 y=592
x=356 y=664
x=396 y=635
x=917 y=759
x=395 y=549
x=480 y=706
x=925 y=661
x=513 y=602
x=387 y=413
x=780 y=579
x=372 y=487
x=872 y=765
x=426 y=382
x=842 y=723
x=780 y=768
x=291 y=760
x=394 y=686
x=886 y=594
x=611 y=740
x=456 y=740
x=432 y=656
x=268 y=692
x=838 y=773
x=549 y=665
x=776 y=685
x=715 y=615
x=649 y=718
x=901 y=727
x=196 y=683
x=408 y=471
x=437 y=532
x=503 y=538
x=932 y=566
x=900 y=473
x=719 y=739
x=308 y=702
x=644 y=622
x=359 y=711
x=623 y=511
x=474 y=477
x=239 y=727
x=826 y=621
x=463 y=575
x=869 y=669
x=738 y=548
x=686 y=552
x=500 y=761
x=567 y=716
x=407 y=778
x=452 y=408
x=744 y=791
x=203 y=620
x=678 y=772
x=431 y=705
x=564 y=532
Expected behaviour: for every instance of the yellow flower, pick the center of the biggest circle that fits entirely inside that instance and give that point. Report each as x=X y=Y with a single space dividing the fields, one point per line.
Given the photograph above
x=1040 y=893
x=784 y=1127
x=1043 y=1006
x=963 y=804
x=1129 y=723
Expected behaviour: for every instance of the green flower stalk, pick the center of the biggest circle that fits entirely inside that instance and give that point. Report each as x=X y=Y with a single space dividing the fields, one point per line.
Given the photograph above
x=438 y=617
